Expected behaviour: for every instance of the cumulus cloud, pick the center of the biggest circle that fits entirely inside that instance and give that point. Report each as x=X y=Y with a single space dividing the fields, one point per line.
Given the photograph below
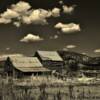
x=71 y=46
x=21 y=7
x=66 y=48
x=68 y=9
x=31 y=38
x=26 y=20
x=55 y=12
x=97 y=51
x=5 y=21
x=45 y=13
x=16 y=12
x=23 y=13
x=61 y=2
x=68 y=28
x=9 y=14
x=17 y=24
x=38 y=16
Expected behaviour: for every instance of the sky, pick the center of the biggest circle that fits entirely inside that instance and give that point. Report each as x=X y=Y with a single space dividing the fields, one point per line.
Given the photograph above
x=72 y=25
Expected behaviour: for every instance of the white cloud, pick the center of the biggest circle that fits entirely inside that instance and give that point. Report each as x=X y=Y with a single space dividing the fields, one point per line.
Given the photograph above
x=26 y=20
x=66 y=48
x=9 y=14
x=5 y=21
x=59 y=25
x=68 y=9
x=97 y=51
x=68 y=28
x=55 y=12
x=31 y=38
x=71 y=46
x=21 y=7
x=23 y=13
x=61 y=2
x=17 y=24
x=54 y=37
x=39 y=16
x=45 y=13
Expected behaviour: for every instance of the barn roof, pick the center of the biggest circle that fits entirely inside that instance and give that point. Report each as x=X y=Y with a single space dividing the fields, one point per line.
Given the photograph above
x=27 y=64
x=49 y=55
x=4 y=57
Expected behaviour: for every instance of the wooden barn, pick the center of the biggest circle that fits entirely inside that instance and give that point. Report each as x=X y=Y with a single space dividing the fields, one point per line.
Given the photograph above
x=2 y=63
x=3 y=59
x=24 y=66
x=50 y=59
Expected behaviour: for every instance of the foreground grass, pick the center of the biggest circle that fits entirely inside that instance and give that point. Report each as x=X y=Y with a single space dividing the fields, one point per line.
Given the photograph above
x=46 y=90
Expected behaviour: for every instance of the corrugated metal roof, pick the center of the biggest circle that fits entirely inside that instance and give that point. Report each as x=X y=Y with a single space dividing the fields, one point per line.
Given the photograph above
x=27 y=64
x=49 y=55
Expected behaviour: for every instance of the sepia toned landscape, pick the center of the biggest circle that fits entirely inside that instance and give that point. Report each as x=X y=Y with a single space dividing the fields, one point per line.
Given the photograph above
x=50 y=75
x=49 y=50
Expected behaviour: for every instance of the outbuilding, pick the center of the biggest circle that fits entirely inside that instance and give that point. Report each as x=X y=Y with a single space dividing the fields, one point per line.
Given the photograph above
x=24 y=66
x=50 y=59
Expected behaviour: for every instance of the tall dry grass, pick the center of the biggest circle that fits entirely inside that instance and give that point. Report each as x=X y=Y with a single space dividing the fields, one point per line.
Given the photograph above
x=45 y=89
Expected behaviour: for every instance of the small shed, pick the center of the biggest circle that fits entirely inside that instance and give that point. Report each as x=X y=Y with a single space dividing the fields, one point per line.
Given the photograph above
x=50 y=59
x=24 y=66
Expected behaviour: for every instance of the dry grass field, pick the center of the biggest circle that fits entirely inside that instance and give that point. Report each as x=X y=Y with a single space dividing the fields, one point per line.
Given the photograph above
x=41 y=89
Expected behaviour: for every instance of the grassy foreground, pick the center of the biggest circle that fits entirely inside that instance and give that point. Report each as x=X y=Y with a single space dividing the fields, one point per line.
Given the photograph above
x=11 y=89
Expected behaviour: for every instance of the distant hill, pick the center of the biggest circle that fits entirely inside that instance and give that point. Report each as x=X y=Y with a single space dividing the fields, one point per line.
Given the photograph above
x=80 y=58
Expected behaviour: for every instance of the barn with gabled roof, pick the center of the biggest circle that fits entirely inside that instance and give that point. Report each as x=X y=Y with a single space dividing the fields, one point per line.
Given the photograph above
x=24 y=66
x=50 y=59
